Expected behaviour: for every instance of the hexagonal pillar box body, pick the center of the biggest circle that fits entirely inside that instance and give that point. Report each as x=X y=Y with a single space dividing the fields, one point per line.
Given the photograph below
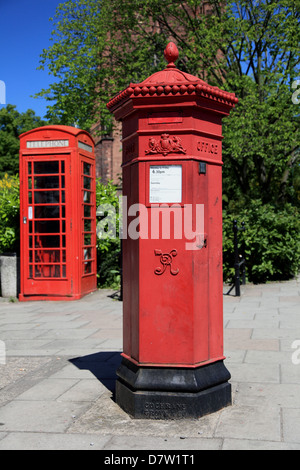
x=172 y=364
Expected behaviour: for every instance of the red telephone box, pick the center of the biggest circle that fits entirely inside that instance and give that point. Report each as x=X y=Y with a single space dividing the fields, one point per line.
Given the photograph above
x=58 y=214
x=172 y=365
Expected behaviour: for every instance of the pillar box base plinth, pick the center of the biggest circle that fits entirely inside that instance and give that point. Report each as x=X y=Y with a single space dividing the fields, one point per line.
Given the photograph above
x=172 y=392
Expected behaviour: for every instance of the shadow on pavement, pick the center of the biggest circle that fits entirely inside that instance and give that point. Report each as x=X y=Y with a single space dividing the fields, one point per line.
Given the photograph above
x=103 y=365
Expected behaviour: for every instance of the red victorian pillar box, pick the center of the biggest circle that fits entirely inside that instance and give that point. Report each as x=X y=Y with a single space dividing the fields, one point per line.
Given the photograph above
x=58 y=214
x=172 y=365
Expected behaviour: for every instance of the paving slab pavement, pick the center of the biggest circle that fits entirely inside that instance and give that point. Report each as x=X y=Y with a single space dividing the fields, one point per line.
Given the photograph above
x=57 y=377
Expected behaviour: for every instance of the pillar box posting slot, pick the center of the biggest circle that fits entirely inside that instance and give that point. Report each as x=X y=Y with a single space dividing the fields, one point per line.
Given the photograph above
x=172 y=364
x=58 y=214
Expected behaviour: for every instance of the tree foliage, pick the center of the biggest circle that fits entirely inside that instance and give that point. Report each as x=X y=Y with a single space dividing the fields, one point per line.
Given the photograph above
x=249 y=47
x=246 y=47
x=76 y=61
x=108 y=240
x=9 y=214
x=270 y=241
x=12 y=125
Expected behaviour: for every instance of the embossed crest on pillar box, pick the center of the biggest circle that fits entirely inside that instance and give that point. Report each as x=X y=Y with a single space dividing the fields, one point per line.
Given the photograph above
x=165 y=145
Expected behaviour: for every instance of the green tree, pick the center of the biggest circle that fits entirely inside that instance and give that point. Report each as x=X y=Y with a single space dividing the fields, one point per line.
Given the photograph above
x=249 y=47
x=270 y=241
x=246 y=47
x=108 y=240
x=12 y=124
x=76 y=60
x=9 y=214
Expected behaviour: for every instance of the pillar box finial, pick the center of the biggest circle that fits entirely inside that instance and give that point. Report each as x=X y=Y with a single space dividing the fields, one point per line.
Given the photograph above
x=171 y=54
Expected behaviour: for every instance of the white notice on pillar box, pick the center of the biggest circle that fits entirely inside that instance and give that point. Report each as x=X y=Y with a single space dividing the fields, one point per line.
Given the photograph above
x=165 y=183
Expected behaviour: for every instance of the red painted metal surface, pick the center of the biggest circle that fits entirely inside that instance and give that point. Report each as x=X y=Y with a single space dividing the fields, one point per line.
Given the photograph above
x=57 y=214
x=173 y=286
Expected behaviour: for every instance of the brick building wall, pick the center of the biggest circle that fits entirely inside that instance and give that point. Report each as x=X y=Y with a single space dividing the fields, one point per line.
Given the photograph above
x=108 y=153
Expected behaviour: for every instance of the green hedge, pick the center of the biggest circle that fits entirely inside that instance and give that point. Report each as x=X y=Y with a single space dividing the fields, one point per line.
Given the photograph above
x=9 y=214
x=271 y=241
x=108 y=241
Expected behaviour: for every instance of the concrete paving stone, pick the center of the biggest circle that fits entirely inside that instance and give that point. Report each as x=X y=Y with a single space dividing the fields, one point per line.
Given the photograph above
x=246 y=444
x=292 y=309
x=84 y=390
x=228 y=309
x=292 y=317
x=267 y=312
x=267 y=357
x=290 y=298
x=261 y=373
x=17 y=368
x=292 y=345
x=47 y=389
x=39 y=416
x=55 y=325
x=98 y=358
x=80 y=351
x=72 y=372
x=74 y=334
x=32 y=352
x=109 y=325
x=66 y=395
x=236 y=356
x=292 y=284
x=230 y=300
x=105 y=415
x=289 y=290
x=22 y=334
x=290 y=373
x=111 y=344
x=289 y=323
x=255 y=292
x=235 y=341
x=35 y=343
x=66 y=343
x=52 y=441
x=255 y=323
x=48 y=317
x=105 y=333
x=276 y=333
x=15 y=326
x=268 y=395
x=249 y=301
x=247 y=308
x=161 y=444
x=271 y=301
x=102 y=365
x=102 y=315
x=237 y=315
x=237 y=333
x=2 y=434
x=249 y=422
x=291 y=425
x=17 y=318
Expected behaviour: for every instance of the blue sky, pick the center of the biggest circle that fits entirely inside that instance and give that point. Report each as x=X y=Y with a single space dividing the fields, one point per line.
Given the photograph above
x=25 y=30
